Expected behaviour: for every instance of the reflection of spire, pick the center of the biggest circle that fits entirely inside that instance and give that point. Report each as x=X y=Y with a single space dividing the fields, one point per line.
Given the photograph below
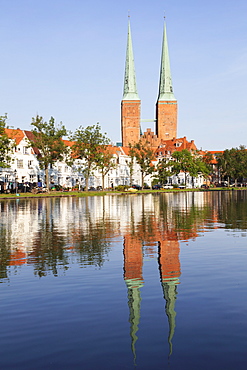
x=170 y=292
x=134 y=281
x=169 y=266
x=134 y=303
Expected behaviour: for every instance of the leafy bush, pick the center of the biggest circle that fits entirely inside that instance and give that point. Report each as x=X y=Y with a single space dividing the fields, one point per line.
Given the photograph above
x=121 y=187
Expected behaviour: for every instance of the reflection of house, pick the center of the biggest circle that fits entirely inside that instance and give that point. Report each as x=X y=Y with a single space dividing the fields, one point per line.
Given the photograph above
x=18 y=258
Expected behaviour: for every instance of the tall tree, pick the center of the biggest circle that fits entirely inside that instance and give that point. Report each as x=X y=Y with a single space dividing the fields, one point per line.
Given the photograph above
x=47 y=138
x=105 y=163
x=163 y=171
x=233 y=163
x=144 y=156
x=130 y=164
x=188 y=163
x=6 y=144
x=88 y=145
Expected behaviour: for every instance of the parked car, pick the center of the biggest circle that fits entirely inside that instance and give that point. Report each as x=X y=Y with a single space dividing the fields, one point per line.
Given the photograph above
x=167 y=187
x=156 y=187
x=137 y=187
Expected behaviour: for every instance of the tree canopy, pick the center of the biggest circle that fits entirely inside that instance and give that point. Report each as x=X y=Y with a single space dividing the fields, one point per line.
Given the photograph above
x=188 y=163
x=89 y=144
x=47 y=138
x=144 y=156
x=105 y=163
x=6 y=144
x=163 y=171
x=233 y=163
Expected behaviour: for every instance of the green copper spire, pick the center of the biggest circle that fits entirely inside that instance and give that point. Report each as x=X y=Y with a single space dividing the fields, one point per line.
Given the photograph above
x=165 y=88
x=130 y=90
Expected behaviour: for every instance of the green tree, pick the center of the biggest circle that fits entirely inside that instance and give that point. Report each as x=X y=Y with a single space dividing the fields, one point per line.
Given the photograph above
x=232 y=163
x=188 y=163
x=144 y=156
x=6 y=144
x=130 y=164
x=207 y=159
x=47 y=138
x=163 y=171
x=88 y=145
x=105 y=163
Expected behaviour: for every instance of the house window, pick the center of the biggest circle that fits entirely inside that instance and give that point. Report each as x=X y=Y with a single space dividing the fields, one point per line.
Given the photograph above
x=19 y=163
x=25 y=150
x=30 y=164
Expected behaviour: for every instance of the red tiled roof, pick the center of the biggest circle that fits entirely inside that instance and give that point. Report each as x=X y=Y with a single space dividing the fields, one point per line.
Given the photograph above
x=15 y=134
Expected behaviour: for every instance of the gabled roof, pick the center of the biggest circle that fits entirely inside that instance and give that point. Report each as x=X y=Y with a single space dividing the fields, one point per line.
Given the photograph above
x=31 y=137
x=15 y=134
x=169 y=146
x=68 y=142
x=125 y=150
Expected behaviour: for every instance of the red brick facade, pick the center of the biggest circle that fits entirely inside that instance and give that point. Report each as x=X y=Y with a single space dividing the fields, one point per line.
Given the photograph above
x=130 y=121
x=166 y=120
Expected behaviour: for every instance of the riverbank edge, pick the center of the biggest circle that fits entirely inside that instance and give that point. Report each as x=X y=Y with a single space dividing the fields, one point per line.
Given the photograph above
x=80 y=194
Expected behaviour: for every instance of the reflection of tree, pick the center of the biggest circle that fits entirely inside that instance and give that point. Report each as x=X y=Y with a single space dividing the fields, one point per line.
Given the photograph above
x=91 y=241
x=91 y=244
x=232 y=209
x=5 y=246
x=186 y=220
x=48 y=250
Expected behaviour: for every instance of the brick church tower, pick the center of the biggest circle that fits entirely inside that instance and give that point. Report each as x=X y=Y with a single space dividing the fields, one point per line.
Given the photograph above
x=166 y=106
x=131 y=104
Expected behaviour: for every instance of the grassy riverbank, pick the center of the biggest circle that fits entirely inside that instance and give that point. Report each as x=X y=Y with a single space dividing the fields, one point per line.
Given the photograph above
x=100 y=193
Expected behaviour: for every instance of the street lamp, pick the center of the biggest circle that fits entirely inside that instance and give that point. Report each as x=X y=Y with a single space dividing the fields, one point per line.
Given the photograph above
x=16 y=178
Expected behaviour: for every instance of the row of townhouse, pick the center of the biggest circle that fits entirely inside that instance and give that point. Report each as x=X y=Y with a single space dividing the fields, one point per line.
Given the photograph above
x=25 y=170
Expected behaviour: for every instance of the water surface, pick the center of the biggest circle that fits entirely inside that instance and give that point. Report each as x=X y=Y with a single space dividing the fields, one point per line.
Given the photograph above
x=124 y=282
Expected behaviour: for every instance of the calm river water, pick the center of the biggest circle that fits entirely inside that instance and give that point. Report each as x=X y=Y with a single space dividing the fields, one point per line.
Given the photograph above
x=124 y=282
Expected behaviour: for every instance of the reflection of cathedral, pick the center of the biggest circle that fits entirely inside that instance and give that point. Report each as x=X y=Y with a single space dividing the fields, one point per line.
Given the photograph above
x=169 y=267
x=134 y=281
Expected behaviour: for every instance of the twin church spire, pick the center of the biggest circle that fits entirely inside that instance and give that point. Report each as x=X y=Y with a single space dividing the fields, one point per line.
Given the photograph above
x=165 y=87
x=130 y=90
x=166 y=106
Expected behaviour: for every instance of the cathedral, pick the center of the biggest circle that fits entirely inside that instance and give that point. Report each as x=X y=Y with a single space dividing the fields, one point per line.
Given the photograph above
x=166 y=105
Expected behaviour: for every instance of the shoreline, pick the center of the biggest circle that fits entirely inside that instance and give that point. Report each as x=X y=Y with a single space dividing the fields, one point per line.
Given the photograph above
x=77 y=194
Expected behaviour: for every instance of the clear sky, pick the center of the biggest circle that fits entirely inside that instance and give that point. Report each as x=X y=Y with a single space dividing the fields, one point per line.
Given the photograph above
x=65 y=58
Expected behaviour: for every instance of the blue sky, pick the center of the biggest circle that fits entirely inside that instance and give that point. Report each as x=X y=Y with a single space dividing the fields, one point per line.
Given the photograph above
x=65 y=58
